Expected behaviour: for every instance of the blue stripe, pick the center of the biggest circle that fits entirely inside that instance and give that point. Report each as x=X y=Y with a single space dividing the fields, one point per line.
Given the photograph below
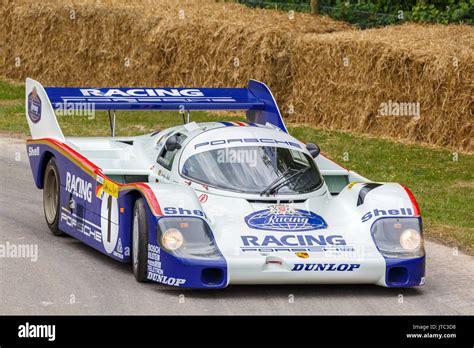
x=227 y=124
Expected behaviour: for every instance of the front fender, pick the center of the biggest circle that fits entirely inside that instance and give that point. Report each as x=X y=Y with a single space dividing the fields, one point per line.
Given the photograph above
x=177 y=200
x=163 y=267
x=376 y=200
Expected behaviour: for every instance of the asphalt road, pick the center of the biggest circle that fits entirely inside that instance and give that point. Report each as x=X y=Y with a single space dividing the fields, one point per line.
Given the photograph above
x=71 y=278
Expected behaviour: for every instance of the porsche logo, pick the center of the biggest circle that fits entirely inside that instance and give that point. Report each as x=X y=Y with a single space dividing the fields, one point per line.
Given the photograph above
x=303 y=255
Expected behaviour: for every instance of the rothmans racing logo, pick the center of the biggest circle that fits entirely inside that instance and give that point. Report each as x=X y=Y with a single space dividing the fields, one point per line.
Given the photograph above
x=34 y=106
x=285 y=218
x=294 y=243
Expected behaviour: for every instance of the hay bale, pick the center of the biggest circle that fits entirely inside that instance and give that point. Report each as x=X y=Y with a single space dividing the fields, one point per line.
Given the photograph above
x=166 y=43
x=205 y=43
x=426 y=64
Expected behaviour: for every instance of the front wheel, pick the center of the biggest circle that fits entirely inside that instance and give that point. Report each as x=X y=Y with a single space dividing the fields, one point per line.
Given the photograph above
x=139 y=241
x=51 y=197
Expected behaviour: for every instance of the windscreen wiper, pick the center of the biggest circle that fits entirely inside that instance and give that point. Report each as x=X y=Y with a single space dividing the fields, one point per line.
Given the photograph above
x=298 y=173
x=277 y=184
x=276 y=181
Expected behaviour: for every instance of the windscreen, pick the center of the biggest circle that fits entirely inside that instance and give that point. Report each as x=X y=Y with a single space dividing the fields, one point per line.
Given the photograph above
x=252 y=169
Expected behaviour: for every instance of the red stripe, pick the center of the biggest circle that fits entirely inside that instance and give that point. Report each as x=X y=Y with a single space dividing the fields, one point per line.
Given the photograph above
x=240 y=124
x=414 y=203
x=142 y=187
x=149 y=195
x=72 y=152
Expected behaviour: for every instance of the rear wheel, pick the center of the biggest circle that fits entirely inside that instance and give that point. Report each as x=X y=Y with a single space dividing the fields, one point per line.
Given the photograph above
x=51 y=197
x=139 y=241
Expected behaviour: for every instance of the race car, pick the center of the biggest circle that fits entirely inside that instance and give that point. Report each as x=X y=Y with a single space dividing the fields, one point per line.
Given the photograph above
x=206 y=205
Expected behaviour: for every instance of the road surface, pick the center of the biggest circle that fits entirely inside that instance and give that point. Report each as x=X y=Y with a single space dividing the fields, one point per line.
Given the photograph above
x=72 y=278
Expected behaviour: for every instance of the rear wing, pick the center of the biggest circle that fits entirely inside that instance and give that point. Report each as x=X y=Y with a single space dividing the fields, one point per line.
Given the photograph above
x=42 y=102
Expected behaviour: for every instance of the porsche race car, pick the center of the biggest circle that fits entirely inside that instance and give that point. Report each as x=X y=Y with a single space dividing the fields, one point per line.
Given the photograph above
x=206 y=205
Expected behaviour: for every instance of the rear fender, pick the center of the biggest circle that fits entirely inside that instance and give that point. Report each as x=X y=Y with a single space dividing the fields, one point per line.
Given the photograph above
x=38 y=155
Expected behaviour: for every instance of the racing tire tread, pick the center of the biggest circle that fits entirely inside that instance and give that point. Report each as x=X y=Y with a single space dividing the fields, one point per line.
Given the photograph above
x=140 y=270
x=54 y=226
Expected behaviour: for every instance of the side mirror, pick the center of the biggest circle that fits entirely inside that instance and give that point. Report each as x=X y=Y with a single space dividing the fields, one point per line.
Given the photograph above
x=313 y=149
x=172 y=143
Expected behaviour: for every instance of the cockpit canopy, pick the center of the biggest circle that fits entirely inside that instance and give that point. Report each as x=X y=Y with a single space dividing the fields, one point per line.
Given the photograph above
x=251 y=169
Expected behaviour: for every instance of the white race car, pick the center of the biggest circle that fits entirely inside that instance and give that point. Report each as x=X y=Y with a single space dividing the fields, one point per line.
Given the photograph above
x=205 y=205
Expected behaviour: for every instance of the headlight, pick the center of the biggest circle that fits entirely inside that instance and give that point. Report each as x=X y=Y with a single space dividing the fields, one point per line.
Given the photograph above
x=172 y=239
x=398 y=237
x=187 y=237
x=410 y=239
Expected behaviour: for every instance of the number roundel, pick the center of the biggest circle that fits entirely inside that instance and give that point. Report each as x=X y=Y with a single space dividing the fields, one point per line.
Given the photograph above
x=109 y=223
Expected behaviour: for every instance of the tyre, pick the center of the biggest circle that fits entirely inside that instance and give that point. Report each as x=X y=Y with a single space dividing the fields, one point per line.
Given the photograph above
x=139 y=241
x=51 y=197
